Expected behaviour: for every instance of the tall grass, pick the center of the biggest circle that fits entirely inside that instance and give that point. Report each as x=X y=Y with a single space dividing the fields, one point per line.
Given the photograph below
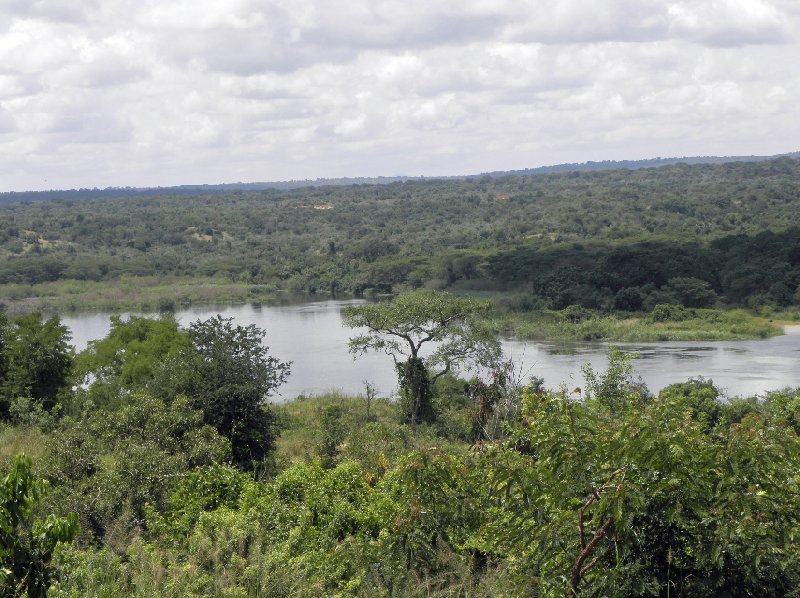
x=704 y=325
x=14 y=440
x=143 y=294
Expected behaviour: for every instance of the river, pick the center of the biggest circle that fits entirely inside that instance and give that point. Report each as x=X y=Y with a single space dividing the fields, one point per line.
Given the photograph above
x=312 y=337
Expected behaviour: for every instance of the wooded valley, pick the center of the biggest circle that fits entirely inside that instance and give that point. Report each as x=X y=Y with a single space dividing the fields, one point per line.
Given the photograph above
x=155 y=464
x=604 y=240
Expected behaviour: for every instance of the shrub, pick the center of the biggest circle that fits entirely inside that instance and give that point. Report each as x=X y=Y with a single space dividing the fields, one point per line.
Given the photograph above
x=667 y=312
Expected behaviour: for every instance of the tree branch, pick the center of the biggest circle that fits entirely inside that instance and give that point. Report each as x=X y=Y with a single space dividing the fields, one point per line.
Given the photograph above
x=442 y=373
x=577 y=568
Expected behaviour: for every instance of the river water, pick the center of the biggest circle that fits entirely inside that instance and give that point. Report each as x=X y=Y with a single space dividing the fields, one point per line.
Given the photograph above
x=313 y=338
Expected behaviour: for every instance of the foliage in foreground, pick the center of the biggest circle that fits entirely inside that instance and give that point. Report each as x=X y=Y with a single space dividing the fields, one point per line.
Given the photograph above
x=615 y=492
x=27 y=542
x=505 y=491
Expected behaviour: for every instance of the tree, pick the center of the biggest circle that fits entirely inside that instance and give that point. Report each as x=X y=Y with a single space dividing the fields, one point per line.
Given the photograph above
x=698 y=396
x=447 y=325
x=628 y=299
x=228 y=373
x=127 y=357
x=5 y=337
x=37 y=360
x=27 y=544
x=692 y=292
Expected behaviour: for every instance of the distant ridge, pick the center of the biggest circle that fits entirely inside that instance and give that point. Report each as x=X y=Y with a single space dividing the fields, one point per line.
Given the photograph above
x=636 y=164
x=96 y=193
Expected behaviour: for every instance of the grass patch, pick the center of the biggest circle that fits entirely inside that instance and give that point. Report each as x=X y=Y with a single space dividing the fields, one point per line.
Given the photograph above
x=699 y=325
x=14 y=440
x=138 y=294
x=300 y=421
x=302 y=431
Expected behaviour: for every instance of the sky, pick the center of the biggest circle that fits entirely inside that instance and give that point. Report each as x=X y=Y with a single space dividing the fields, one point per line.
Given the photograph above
x=99 y=93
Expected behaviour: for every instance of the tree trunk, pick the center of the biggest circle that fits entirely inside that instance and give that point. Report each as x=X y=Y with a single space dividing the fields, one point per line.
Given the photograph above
x=415 y=388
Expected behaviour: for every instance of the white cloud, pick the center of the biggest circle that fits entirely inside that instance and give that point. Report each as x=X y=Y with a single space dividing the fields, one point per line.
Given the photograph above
x=575 y=21
x=729 y=22
x=138 y=92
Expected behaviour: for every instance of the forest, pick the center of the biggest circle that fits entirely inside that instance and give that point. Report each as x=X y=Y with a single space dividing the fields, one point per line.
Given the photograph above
x=693 y=235
x=156 y=462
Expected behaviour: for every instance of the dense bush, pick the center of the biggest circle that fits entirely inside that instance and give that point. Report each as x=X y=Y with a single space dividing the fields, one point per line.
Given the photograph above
x=613 y=492
x=35 y=361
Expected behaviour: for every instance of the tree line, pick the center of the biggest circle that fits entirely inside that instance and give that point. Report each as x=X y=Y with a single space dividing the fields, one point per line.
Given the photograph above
x=562 y=237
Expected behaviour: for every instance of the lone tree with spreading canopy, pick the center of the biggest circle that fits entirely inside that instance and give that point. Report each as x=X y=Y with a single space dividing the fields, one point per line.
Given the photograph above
x=448 y=325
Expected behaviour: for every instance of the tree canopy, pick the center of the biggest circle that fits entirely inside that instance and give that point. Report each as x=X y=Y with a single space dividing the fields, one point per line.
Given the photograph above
x=228 y=373
x=128 y=356
x=35 y=360
x=400 y=328
x=565 y=238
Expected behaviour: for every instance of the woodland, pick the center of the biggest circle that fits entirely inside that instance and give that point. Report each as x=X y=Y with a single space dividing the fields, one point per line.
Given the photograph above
x=154 y=462
x=695 y=235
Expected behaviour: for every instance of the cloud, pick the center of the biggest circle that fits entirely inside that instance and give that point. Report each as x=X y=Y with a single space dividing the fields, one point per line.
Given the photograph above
x=7 y=124
x=729 y=22
x=707 y=22
x=411 y=24
x=50 y=10
x=574 y=21
x=136 y=92
x=30 y=47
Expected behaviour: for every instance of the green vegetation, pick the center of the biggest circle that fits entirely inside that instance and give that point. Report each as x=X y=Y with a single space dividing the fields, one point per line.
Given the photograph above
x=147 y=294
x=227 y=373
x=169 y=474
x=27 y=543
x=401 y=327
x=726 y=234
x=35 y=359
x=681 y=324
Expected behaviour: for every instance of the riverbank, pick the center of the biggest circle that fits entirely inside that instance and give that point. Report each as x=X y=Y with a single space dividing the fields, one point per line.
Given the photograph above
x=151 y=294
x=312 y=337
x=146 y=294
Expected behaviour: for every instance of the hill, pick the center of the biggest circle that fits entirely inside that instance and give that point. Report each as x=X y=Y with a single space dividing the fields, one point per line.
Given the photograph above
x=189 y=189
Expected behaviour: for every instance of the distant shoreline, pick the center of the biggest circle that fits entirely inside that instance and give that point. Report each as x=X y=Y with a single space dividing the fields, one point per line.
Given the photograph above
x=152 y=295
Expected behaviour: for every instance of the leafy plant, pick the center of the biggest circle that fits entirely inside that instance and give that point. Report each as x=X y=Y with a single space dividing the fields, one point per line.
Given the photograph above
x=27 y=542
x=228 y=373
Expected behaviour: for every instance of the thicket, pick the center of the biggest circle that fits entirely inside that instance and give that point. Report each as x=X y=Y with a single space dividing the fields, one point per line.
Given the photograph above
x=618 y=239
x=510 y=489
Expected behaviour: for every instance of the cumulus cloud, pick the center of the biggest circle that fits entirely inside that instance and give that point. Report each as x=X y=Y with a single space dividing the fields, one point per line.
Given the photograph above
x=144 y=92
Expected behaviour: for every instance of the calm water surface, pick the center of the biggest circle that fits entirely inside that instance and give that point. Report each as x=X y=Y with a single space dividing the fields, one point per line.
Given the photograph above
x=314 y=339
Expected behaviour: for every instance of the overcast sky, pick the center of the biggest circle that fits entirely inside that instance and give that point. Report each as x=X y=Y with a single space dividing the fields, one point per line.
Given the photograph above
x=97 y=93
